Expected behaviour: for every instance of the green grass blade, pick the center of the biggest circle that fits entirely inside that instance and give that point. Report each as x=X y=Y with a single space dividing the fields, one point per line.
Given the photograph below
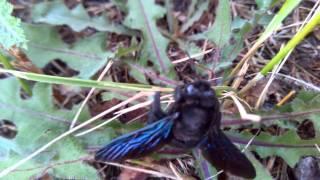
x=85 y=83
x=291 y=44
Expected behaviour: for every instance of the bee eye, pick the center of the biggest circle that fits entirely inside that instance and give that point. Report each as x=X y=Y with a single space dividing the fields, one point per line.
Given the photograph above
x=190 y=89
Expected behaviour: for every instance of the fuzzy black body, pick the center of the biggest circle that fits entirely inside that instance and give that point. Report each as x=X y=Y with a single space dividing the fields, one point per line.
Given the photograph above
x=198 y=110
x=193 y=121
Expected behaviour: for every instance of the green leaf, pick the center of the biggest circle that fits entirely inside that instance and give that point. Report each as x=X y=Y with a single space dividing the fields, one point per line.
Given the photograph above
x=264 y=4
x=276 y=22
x=137 y=75
x=10 y=30
x=56 y=13
x=204 y=168
x=121 y=51
x=71 y=148
x=228 y=53
x=121 y=4
x=220 y=31
x=195 y=16
x=261 y=171
x=6 y=146
x=30 y=168
x=38 y=121
x=142 y=16
x=87 y=55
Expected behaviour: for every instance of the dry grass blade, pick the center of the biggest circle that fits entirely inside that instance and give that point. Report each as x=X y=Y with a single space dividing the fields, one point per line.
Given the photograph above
x=192 y=56
x=265 y=89
x=240 y=76
x=49 y=144
x=176 y=173
x=132 y=108
x=142 y=105
x=285 y=52
x=123 y=111
x=105 y=70
x=274 y=25
x=217 y=174
x=250 y=141
x=278 y=68
x=156 y=173
x=242 y=111
x=305 y=84
x=98 y=126
x=317 y=146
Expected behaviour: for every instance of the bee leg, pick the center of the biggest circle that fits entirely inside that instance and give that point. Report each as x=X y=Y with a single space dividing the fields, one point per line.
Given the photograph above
x=156 y=112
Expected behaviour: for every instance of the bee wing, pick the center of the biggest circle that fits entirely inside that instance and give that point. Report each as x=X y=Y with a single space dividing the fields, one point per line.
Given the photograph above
x=224 y=155
x=138 y=143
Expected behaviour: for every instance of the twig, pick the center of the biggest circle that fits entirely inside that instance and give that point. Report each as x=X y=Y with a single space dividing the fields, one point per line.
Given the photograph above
x=286 y=98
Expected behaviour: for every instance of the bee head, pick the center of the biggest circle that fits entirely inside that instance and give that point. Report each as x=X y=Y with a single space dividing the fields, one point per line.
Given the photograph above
x=199 y=92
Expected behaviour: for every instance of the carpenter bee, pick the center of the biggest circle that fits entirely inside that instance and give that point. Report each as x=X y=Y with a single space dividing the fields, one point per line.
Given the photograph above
x=193 y=121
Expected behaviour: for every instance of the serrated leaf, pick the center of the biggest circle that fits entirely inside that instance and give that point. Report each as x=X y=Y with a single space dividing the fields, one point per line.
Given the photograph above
x=220 y=34
x=195 y=16
x=10 y=30
x=282 y=146
x=87 y=55
x=220 y=31
x=142 y=16
x=56 y=13
x=230 y=52
x=306 y=101
x=38 y=121
x=191 y=48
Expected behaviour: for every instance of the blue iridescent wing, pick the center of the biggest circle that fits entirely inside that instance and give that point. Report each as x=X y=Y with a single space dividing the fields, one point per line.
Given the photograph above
x=138 y=143
x=224 y=155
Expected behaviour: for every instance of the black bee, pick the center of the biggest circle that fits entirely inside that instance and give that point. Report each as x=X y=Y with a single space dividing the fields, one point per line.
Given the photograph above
x=193 y=121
